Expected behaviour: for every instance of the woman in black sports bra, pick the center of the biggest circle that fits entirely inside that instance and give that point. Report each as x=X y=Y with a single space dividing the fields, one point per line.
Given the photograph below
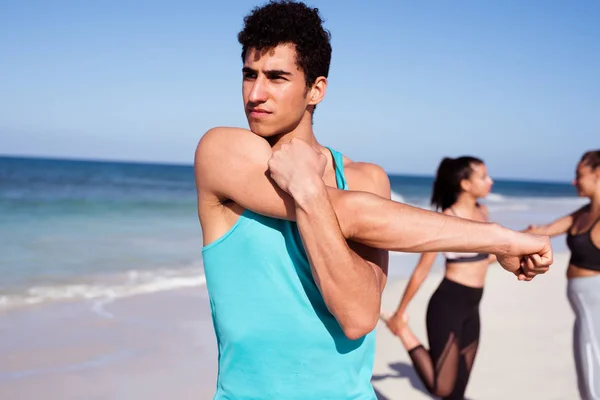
x=453 y=311
x=583 y=274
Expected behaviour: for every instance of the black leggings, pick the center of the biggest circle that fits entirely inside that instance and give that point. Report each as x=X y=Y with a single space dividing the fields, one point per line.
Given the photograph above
x=453 y=332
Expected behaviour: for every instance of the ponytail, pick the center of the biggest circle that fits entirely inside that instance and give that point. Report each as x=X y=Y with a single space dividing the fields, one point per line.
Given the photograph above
x=450 y=173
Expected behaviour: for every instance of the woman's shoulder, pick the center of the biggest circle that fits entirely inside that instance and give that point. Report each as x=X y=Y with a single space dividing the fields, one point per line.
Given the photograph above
x=448 y=211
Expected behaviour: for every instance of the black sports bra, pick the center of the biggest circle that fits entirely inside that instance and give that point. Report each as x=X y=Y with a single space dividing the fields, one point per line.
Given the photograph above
x=584 y=253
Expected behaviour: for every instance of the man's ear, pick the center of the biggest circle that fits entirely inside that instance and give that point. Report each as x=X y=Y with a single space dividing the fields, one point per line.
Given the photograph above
x=316 y=93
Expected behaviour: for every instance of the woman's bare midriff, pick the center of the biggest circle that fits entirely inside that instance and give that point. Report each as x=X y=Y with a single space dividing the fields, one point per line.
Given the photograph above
x=574 y=271
x=470 y=274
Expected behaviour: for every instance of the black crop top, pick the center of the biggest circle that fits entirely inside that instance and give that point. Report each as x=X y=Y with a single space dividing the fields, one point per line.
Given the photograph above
x=584 y=253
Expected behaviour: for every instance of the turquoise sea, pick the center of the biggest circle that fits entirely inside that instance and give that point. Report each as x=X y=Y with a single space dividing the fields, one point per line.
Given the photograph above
x=103 y=230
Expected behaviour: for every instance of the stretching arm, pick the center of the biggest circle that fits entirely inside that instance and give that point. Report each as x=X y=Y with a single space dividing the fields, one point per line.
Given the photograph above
x=557 y=227
x=400 y=227
x=351 y=286
x=233 y=164
x=416 y=280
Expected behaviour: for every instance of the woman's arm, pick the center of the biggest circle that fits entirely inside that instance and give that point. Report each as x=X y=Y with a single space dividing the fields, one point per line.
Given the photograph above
x=556 y=227
x=416 y=280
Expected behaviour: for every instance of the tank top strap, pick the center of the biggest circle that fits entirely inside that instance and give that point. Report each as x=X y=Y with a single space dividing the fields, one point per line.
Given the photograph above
x=338 y=164
x=594 y=224
x=586 y=232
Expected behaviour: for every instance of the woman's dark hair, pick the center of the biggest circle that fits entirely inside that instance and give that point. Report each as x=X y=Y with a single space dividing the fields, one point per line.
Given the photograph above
x=450 y=174
x=591 y=159
x=280 y=22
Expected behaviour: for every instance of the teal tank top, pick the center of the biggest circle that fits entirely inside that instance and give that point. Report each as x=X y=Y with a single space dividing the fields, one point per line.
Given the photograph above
x=276 y=338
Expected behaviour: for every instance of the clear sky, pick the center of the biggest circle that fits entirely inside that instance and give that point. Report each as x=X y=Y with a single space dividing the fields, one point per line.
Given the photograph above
x=516 y=83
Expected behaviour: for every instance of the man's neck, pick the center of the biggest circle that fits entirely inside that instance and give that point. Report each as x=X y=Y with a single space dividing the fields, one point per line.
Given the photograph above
x=303 y=131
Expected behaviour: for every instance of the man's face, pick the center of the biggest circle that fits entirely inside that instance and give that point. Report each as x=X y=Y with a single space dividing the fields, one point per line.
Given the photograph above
x=274 y=90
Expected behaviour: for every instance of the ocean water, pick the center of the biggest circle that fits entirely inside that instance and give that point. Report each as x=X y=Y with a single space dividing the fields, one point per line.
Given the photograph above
x=97 y=231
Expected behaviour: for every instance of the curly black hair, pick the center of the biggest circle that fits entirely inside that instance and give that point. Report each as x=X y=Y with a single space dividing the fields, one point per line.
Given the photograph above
x=284 y=21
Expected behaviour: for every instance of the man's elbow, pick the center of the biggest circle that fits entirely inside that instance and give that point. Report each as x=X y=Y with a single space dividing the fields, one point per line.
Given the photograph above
x=360 y=324
x=353 y=210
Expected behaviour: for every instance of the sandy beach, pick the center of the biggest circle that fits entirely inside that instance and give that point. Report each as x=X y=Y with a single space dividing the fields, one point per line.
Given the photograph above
x=525 y=348
x=162 y=345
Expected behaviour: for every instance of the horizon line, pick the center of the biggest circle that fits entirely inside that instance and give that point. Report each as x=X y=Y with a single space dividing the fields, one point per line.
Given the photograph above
x=182 y=164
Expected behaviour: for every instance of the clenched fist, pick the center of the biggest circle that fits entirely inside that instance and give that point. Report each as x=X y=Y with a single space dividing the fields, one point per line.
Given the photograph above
x=296 y=167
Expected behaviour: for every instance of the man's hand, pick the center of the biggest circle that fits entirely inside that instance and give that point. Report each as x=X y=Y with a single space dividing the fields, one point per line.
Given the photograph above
x=531 y=255
x=296 y=167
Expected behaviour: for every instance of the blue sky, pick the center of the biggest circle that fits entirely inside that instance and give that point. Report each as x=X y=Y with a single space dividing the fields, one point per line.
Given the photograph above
x=515 y=83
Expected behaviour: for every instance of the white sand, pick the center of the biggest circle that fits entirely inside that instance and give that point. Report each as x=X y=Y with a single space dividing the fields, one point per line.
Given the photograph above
x=162 y=345
x=525 y=347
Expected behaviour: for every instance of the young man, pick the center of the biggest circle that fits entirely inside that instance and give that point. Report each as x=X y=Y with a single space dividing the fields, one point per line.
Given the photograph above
x=293 y=259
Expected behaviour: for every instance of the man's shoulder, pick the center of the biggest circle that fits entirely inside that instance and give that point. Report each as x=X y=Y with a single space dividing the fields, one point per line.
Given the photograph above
x=223 y=151
x=222 y=143
x=367 y=177
x=224 y=135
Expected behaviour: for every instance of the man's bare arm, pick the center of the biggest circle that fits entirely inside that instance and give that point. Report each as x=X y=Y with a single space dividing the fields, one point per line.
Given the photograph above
x=233 y=163
x=351 y=286
x=400 y=227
